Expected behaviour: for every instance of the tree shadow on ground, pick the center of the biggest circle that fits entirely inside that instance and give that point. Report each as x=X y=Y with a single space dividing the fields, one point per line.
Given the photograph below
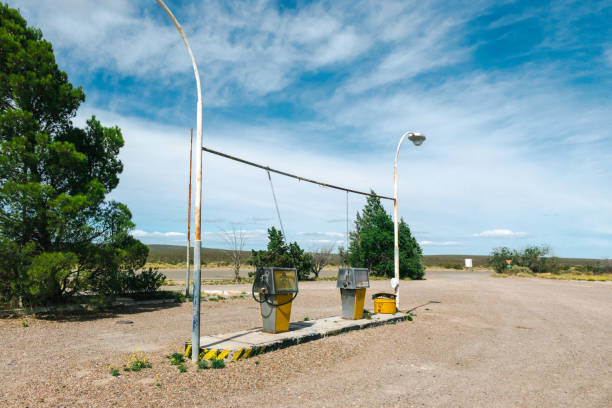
x=99 y=314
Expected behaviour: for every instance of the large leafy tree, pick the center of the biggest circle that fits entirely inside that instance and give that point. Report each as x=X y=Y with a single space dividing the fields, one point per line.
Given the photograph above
x=371 y=243
x=282 y=255
x=63 y=236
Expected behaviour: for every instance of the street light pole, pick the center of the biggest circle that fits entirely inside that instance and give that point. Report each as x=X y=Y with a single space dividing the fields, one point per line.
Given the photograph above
x=197 y=281
x=188 y=272
x=417 y=139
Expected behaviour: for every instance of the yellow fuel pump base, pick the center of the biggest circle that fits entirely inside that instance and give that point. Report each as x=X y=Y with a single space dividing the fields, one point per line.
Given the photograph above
x=352 y=283
x=352 y=303
x=277 y=288
x=276 y=318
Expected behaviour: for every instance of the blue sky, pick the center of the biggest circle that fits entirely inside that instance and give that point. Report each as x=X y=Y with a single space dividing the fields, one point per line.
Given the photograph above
x=514 y=98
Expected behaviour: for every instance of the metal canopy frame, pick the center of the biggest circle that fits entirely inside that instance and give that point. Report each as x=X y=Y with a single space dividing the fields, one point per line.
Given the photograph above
x=284 y=173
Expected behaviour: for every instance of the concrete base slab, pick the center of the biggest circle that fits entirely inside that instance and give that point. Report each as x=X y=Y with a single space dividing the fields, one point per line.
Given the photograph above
x=248 y=343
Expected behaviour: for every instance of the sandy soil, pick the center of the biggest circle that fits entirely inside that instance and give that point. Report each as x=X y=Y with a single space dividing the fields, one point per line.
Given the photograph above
x=489 y=342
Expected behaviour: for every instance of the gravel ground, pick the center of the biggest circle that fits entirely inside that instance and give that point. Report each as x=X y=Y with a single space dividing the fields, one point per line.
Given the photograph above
x=489 y=342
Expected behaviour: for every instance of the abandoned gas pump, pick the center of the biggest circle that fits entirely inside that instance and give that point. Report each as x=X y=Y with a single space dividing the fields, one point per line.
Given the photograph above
x=352 y=283
x=276 y=289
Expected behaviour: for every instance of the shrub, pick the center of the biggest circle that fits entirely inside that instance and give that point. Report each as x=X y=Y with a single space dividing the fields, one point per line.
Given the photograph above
x=453 y=266
x=281 y=255
x=497 y=258
x=136 y=362
x=602 y=267
x=532 y=257
x=518 y=269
x=177 y=358
x=372 y=244
x=217 y=363
x=147 y=281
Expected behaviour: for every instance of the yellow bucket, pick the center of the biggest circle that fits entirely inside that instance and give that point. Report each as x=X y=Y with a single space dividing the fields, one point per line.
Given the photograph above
x=384 y=303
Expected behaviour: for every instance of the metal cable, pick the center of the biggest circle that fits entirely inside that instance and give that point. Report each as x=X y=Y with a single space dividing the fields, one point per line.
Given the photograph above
x=347 y=221
x=227 y=156
x=276 y=205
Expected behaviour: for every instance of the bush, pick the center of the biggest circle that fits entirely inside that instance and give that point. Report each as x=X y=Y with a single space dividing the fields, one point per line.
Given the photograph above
x=281 y=255
x=147 y=281
x=372 y=244
x=532 y=257
x=518 y=269
x=453 y=266
x=217 y=364
x=14 y=264
x=604 y=267
x=497 y=258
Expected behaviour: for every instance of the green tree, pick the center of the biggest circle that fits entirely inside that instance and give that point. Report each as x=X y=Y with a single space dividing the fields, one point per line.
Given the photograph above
x=54 y=177
x=533 y=257
x=372 y=243
x=283 y=255
x=498 y=257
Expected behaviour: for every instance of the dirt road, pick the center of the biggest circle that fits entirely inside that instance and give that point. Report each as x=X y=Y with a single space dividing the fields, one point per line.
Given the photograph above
x=488 y=343
x=178 y=275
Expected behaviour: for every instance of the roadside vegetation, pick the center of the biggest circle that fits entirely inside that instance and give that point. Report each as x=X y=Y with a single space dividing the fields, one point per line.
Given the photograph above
x=280 y=254
x=60 y=237
x=535 y=261
x=371 y=244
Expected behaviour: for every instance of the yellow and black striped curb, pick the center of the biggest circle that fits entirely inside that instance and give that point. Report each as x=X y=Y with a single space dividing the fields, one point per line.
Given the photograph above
x=219 y=354
x=257 y=349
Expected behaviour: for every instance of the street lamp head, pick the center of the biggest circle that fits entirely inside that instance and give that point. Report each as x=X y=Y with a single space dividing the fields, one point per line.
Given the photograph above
x=416 y=138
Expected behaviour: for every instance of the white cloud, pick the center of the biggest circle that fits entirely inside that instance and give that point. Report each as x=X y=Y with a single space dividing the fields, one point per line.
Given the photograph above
x=501 y=233
x=503 y=148
x=154 y=186
x=509 y=19
x=146 y=235
x=438 y=243
x=253 y=46
x=321 y=234
x=433 y=47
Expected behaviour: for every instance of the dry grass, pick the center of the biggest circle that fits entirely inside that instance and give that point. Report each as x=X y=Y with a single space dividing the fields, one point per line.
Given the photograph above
x=183 y=265
x=171 y=282
x=577 y=276
x=558 y=276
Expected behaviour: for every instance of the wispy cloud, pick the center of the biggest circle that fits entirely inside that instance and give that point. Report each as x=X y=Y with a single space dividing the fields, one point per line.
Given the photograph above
x=438 y=243
x=320 y=234
x=501 y=233
x=242 y=50
x=147 y=235
x=515 y=131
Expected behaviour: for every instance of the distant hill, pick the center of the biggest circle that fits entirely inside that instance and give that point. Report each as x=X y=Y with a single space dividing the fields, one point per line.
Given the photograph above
x=174 y=254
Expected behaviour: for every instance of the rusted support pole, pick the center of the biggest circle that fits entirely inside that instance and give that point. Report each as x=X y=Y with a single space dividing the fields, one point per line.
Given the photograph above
x=197 y=279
